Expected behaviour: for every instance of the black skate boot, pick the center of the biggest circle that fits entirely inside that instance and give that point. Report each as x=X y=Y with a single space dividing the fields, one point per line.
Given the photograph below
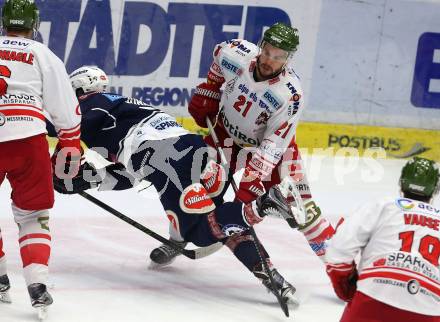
x=284 y=288
x=164 y=255
x=40 y=299
x=4 y=288
x=274 y=204
x=39 y=295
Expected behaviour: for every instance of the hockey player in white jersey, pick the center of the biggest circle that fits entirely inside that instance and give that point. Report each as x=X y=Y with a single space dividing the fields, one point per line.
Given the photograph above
x=398 y=239
x=33 y=83
x=256 y=119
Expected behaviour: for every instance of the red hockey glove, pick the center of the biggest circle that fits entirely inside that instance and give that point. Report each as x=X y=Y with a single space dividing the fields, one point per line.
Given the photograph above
x=250 y=187
x=67 y=157
x=343 y=277
x=204 y=103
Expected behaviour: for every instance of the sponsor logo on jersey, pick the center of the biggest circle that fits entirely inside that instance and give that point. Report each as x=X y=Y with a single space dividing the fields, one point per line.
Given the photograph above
x=216 y=68
x=240 y=46
x=232 y=229
x=231 y=66
x=272 y=99
x=405 y=204
x=234 y=131
x=262 y=104
x=413 y=287
x=195 y=200
x=166 y=125
x=428 y=207
x=411 y=262
x=2 y=119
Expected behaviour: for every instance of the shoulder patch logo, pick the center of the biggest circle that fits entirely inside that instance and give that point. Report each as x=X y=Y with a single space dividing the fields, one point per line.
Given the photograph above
x=112 y=97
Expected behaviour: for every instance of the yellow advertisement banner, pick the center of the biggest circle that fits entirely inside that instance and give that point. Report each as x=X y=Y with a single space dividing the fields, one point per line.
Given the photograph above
x=316 y=137
x=396 y=142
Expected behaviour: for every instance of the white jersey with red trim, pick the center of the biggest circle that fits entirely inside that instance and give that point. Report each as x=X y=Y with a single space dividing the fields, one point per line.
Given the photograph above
x=33 y=84
x=399 y=242
x=258 y=114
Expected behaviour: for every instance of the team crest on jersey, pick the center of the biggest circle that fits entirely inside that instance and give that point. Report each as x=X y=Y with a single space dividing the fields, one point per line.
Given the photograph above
x=195 y=200
x=262 y=119
x=229 y=87
x=112 y=97
x=405 y=204
x=232 y=229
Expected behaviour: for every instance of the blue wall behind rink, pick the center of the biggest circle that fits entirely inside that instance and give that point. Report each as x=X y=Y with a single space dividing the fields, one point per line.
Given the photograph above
x=361 y=62
x=97 y=16
x=108 y=33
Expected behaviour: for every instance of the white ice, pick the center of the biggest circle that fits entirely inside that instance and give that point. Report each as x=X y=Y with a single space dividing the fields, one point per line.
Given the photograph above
x=99 y=264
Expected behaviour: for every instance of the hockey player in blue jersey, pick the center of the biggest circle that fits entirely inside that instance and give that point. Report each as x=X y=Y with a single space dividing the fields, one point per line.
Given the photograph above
x=144 y=143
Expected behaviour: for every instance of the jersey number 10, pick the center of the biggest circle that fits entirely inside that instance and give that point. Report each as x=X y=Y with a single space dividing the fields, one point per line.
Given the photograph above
x=429 y=246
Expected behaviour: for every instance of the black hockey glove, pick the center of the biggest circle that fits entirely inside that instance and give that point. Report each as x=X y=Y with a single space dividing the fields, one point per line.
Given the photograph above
x=87 y=178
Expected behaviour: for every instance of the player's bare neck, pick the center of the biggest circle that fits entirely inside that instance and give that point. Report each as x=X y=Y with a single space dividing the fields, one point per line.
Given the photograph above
x=19 y=33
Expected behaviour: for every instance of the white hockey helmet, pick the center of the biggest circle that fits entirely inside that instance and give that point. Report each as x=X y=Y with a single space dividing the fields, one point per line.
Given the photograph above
x=89 y=79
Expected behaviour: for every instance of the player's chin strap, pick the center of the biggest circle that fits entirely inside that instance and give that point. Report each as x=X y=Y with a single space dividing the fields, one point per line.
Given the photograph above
x=257 y=243
x=190 y=253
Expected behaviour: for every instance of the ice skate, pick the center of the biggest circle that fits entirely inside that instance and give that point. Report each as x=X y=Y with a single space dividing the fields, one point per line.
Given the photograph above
x=284 y=288
x=40 y=299
x=4 y=289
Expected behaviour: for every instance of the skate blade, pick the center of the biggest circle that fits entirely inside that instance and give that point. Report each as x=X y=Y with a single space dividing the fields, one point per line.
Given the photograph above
x=42 y=312
x=292 y=301
x=156 y=266
x=5 y=298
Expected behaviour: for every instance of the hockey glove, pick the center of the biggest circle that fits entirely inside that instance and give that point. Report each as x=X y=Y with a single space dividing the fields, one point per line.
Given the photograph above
x=205 y=103
x=250 y=187
x=343 y=277
x=87 y=178
x=66 y=159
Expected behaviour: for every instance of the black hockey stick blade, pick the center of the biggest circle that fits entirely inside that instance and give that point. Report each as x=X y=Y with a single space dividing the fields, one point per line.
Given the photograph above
x=190 y=253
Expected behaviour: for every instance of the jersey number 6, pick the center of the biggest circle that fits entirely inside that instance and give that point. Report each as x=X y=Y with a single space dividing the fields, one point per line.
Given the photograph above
x=5 y=72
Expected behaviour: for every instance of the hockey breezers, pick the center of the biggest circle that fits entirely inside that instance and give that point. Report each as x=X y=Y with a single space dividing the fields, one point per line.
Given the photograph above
x=257 y=243
x=190 y=253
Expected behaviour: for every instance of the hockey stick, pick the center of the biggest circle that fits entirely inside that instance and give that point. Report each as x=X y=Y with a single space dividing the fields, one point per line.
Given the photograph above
x=257 y=243
x=190 y=253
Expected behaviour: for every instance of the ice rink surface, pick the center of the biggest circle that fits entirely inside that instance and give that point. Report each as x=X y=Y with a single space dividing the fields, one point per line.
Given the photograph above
x=99 y=264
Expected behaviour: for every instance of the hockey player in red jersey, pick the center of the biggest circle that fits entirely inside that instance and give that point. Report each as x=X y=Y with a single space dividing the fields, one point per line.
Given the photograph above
x=397 y=277
x=34 y=83
x=256 y=119
x=144 y=143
